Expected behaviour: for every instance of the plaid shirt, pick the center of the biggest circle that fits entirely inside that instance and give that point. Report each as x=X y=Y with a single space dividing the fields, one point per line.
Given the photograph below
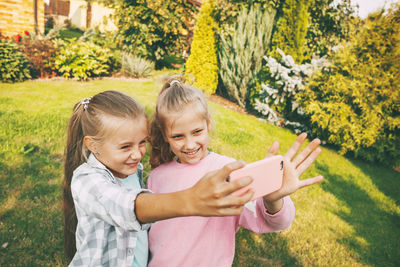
x=107 y=227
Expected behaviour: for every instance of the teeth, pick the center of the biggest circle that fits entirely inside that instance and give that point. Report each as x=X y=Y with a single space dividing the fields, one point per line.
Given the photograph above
x=192 y=152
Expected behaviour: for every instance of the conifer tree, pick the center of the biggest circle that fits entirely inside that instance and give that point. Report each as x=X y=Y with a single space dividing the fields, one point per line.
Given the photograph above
x=202 y=62
x=291 y=29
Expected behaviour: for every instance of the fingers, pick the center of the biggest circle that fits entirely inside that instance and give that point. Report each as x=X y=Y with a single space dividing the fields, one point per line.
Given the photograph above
x=235 y=203
x=296 y=146
x=273 y=150
x=225 y=171
x=308 y=161
x=311 y=181
x=235 y=185
x=311 y=148
x=232 y=211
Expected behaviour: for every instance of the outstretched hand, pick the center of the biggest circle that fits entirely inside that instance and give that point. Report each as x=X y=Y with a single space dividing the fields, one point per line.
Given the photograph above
x=294 y=167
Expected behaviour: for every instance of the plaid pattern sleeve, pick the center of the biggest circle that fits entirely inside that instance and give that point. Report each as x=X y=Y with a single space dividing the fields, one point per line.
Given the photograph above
x=107 y=225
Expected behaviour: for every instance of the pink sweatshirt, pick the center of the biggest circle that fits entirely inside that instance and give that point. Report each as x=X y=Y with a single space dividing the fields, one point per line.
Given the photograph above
x=204 y=241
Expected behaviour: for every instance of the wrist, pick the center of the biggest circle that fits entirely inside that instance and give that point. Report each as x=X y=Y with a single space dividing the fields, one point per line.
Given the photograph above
x=273 y=207
x=185 y=203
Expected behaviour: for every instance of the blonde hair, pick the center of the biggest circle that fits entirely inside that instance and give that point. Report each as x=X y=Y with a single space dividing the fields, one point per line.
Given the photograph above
x=173 y=98
x=88 y=119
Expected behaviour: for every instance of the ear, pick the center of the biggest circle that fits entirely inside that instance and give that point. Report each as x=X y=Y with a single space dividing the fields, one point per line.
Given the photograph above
x=90 y=144
x=209 y=124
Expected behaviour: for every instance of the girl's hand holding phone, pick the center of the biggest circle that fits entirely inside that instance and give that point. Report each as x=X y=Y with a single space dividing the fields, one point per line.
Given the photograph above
x=213 y=195
x=294 y=167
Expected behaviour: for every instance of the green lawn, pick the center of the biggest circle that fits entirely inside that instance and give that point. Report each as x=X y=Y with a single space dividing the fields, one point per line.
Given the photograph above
x=351 y=219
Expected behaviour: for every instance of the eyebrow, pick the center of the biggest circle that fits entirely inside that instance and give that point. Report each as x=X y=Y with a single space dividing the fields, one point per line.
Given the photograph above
x=129 y=142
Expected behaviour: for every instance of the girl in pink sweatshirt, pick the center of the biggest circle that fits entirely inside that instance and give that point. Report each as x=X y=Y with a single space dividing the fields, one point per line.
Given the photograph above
x=179 y=137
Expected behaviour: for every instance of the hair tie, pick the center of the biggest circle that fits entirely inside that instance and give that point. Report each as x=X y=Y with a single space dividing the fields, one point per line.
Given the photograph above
x=173 y=82
x=85 y=102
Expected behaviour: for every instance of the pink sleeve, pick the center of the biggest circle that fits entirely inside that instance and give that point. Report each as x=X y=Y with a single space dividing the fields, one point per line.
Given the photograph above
x=149 y=184
x=255 y=217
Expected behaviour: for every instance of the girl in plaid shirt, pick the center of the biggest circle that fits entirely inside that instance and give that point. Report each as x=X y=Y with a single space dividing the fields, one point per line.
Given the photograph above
x=106 y=209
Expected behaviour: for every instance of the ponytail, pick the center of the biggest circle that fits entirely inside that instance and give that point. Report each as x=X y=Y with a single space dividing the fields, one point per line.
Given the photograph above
x=75 y=154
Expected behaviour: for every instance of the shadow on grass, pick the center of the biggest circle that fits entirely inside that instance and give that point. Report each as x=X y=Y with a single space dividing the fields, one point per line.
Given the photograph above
x=385 y=179
x=31 y=225
x=375 y=241
x=262 y=250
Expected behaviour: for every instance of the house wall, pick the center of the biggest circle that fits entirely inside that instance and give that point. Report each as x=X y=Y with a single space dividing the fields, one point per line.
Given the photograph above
x=100 y=16
x=77 y=13
x=17 y=16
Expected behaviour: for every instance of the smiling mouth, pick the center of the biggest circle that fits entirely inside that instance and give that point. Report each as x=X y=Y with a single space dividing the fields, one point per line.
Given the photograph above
x=191 y=153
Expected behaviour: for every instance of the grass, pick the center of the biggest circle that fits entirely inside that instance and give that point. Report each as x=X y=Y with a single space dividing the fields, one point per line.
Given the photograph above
x=351 y=219
x=70 y=33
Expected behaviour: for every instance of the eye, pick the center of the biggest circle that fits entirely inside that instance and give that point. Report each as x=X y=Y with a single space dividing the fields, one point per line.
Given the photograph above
x=177 y=137
x=143 y=142
x=125 y=147
x=198 y=131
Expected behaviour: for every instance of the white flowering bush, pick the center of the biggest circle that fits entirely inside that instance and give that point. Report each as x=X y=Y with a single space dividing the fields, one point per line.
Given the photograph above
x=276 y=100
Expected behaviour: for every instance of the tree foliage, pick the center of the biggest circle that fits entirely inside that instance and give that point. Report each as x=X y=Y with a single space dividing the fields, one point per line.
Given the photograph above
x=202 y=62
x=356 y=103
x=329 y=25
x=156 y=28
x=291 y=28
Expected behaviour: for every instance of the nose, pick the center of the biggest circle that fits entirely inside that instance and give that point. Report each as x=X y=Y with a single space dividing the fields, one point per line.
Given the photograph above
x=190 y=143
x=135 y=154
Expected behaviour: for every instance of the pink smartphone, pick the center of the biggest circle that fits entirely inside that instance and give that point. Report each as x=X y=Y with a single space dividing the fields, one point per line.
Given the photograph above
x=267 y=176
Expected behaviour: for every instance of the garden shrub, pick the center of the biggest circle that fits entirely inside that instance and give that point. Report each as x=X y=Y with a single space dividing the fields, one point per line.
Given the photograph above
x=202 y=62
x=154 y=29
x=105 y=40
x=14 y=67
x=135 y=66
x=241 y=52
x=282 y=79
x=355 y=104
x=41 y=53
x=82 y=60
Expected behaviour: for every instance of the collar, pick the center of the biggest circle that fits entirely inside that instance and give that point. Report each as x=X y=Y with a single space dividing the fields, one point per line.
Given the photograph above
x=95 y=163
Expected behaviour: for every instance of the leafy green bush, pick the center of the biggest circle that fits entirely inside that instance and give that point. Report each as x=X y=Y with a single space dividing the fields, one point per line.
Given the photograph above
x=14 y=67
x=355 y=104
x=202 y=62
x=105 y=40
x=135 y=66
x=154 y=29
x=82 y=60
x=242 y=50
x=40 y=50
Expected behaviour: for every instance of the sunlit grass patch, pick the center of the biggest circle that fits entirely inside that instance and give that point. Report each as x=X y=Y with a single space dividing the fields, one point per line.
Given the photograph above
x=350 y=219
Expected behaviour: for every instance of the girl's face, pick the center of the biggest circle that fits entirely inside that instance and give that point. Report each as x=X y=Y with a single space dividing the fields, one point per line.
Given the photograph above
x=122 y=150
x=187 y=135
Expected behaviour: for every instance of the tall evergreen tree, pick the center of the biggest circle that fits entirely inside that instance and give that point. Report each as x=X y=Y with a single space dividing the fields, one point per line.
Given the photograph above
x=291 y=28
x=202 y=62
